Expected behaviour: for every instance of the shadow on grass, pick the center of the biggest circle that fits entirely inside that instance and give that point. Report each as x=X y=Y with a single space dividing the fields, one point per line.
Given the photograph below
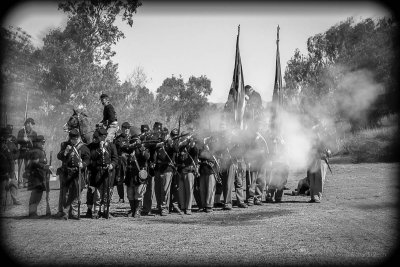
x=220 y=219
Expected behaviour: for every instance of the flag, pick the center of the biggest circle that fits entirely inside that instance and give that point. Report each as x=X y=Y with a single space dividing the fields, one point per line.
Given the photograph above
x=236 y=93
x=277 y=95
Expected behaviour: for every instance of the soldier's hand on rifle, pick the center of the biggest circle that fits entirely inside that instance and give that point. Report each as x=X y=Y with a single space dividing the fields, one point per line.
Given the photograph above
x=169 y=141
x=26 y=139
x=80 y=165
x=67 y=150
x=110 y=167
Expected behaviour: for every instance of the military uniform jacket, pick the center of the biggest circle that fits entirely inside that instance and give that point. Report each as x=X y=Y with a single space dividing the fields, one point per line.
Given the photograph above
x=109 y=114
x=165 y=157
x=71 y=160
x=122 y=143
x=99 y=159
x=23 y=145
x=187 y=158
x=142 y=156
x=208 y=164
x=37 y=169
x=6 y=163
x=12 y=146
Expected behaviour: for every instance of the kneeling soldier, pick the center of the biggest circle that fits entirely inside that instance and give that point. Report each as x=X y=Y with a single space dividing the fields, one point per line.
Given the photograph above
x=75 y=158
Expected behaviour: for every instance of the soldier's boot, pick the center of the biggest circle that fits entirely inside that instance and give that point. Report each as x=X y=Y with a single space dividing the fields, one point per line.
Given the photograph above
x=33 y=211
x=89 y=213
x=133 y=208
x=137 y=208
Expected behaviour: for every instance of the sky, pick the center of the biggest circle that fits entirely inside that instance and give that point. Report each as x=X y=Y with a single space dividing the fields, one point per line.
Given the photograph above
x=199 y=38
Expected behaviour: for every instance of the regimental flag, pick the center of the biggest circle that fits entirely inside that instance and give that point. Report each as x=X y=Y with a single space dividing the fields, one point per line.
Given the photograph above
x=277 y=96
x=236 y=93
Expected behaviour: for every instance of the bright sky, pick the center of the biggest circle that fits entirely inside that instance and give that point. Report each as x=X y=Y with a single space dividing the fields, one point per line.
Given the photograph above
x=194 y=38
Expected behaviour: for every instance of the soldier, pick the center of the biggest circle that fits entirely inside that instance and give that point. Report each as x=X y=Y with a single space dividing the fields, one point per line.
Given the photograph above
x=209 y=174
x=137 y=173
x=12 y=147
x=109 y=118
x=317 y=169
x=25 y=139
x=164 y=170
x=174 y=203
x=6 y=162
x=186 y=162
x=253 y=107
x=75 y=158
x=156 y=136
x=232 y=171
x=256 y=155
x=120 y=141
x=104 y=158
x=277 y=171
x=37 y=169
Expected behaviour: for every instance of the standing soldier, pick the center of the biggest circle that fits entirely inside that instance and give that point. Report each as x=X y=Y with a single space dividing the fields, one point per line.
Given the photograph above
x=104 y=158
x=317 y=169
x=174 y=200
x=137 y=173
x=25 y=139
x=12 y=147
x=37 y=169
x=209 y=175
x=187 y=168
x=232 y=171
x=120 y=173
x=253 y=107
x=164 y=170
x=109 y=118
x=6 y=162
x=75 y=158
x=156 y=136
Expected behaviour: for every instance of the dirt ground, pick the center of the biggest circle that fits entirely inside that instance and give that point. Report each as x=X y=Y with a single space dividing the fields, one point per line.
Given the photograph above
x=355 y=224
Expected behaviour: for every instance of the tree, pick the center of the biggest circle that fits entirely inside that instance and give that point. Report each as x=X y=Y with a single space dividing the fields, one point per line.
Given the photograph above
x=91 y=24
x=345 y=48
x=177 y=98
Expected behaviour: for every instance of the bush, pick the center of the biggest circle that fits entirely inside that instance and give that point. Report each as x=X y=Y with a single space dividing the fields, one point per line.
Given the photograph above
x=371 y=145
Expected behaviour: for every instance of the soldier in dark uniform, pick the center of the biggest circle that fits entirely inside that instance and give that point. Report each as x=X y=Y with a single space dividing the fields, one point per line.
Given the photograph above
x=174 y=199
x=120 y=141
x=232 y=170
x=186 y=162
x=137 y=173
x=6 y=168
x=76 y=157
x=209 y=174
x=164 y=170
x=156 y=136
x=13 y=148
x=37 y=169
x=253 y=111
x=109 y=118
x=104 y=159
x=25 y=139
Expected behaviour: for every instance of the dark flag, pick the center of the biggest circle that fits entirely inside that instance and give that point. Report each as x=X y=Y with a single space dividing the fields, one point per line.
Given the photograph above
x=277 y=96
x=236 y=97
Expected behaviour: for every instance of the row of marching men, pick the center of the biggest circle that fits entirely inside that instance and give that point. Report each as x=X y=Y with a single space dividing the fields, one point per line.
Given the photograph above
x=184 y=168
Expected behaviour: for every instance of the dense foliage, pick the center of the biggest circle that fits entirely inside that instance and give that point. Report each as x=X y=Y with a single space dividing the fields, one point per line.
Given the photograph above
x=369 y=48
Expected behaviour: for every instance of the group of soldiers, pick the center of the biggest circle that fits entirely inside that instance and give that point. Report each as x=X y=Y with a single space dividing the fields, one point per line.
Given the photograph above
x=181 y=167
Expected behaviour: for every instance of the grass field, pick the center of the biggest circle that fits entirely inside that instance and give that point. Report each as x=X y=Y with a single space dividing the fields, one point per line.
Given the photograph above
x=355 y=224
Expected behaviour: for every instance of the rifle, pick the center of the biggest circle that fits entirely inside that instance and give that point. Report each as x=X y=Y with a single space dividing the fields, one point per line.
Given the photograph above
x=79 y=182
x=327 y=163
x=48 y=211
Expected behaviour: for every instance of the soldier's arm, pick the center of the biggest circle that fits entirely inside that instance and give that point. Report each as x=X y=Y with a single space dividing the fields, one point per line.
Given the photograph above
x=85 y=156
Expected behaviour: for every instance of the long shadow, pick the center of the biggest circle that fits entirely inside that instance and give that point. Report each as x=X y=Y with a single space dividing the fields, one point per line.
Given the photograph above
x=222 y=219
